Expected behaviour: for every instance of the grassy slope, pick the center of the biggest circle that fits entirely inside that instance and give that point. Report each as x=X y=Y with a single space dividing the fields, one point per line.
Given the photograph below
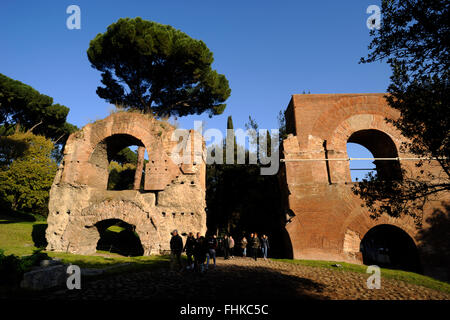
x=16 y=236
x=409 y=277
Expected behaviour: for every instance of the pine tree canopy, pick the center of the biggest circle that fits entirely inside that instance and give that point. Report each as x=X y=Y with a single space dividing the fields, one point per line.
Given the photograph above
x=157 y=69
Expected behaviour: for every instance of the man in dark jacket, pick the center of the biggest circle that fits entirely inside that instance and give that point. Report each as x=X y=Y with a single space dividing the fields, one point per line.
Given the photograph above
x=226 y=247
x=256 y=244
x=189 y=248
x=176 y=247
x=250 y=244
x=200 y=250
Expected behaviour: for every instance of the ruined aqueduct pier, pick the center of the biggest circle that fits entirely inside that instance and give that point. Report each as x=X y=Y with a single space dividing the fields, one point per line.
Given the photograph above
x=173 y=195
x=324 y=219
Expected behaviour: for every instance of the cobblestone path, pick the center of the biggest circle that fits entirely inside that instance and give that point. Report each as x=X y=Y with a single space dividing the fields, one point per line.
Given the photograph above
x=245 y=279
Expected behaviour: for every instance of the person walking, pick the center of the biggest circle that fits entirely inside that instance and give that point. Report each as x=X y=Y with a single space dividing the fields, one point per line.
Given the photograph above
x=226 y=248
x=256 y=244
x=244 y=246
x=200 y=254
x=189 y=249
x=264 y=246
x=211 y=254
x=176 y=247
x=250 y=244
x=231 y=246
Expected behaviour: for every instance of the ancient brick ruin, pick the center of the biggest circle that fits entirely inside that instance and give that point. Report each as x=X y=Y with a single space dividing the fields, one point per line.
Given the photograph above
x=324 y=219
x=173 y=195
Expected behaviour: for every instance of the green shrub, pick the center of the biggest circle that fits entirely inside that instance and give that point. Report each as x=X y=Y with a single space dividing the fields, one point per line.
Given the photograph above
x=13 y=267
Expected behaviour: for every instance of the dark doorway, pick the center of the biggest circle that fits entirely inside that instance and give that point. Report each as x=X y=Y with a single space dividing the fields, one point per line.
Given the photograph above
x=390 y=247
x=119 y=237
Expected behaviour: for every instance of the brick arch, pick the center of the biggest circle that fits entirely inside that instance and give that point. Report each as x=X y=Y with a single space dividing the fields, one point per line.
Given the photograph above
x=337 y=143
x=403 y=249
x=155 y=136
x=363 y=121
x=338 y=112
x=87 y=235
x=99 y=158
x=143 y=128
x=360 y=222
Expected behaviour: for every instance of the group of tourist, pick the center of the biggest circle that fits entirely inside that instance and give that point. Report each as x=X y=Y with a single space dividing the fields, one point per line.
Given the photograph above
x=255 y=244
x=199 y=249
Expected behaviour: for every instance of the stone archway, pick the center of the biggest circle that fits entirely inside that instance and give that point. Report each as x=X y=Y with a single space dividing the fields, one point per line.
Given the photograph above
x=82 y=234
x=391 y=247
x=118 y=237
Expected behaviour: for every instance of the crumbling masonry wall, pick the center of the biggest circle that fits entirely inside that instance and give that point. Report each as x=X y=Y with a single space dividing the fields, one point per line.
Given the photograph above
x=173 y=195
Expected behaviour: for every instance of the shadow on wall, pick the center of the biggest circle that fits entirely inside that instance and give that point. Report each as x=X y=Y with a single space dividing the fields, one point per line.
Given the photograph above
x=281 y=246
x=435 y=244
x=38 y=235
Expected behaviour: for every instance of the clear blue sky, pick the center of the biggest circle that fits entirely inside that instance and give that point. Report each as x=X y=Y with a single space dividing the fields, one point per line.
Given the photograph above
x=268 y=50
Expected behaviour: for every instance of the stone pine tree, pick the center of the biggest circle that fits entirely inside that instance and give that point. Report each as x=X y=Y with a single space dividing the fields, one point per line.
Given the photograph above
x=158 y=70
x=414 y=40
x=23 y=108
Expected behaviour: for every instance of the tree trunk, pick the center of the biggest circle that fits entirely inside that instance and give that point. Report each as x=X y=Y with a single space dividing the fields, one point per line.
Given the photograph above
x=139 y=168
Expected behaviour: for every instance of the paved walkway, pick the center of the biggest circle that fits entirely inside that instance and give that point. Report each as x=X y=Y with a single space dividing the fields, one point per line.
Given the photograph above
x=245 y=279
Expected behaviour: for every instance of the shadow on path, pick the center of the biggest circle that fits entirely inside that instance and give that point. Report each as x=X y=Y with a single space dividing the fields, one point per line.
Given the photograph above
x=226 y=283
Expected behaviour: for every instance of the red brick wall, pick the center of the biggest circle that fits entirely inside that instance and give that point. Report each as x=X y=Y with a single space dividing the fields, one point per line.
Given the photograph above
x=329 y=220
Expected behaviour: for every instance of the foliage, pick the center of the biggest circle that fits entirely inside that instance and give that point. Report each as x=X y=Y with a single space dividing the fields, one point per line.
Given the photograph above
x=27 y=172
x=413 y=38
x=282 y=126
x=121 y=177
x=239 y=199
x=158 y=69
x=24 y=107
x=125 y=155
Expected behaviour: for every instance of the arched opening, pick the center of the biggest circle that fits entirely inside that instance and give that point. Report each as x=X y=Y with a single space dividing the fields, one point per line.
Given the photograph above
x=117 y=154
x=390 y=247
x=373 y=144
x=117 y=236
